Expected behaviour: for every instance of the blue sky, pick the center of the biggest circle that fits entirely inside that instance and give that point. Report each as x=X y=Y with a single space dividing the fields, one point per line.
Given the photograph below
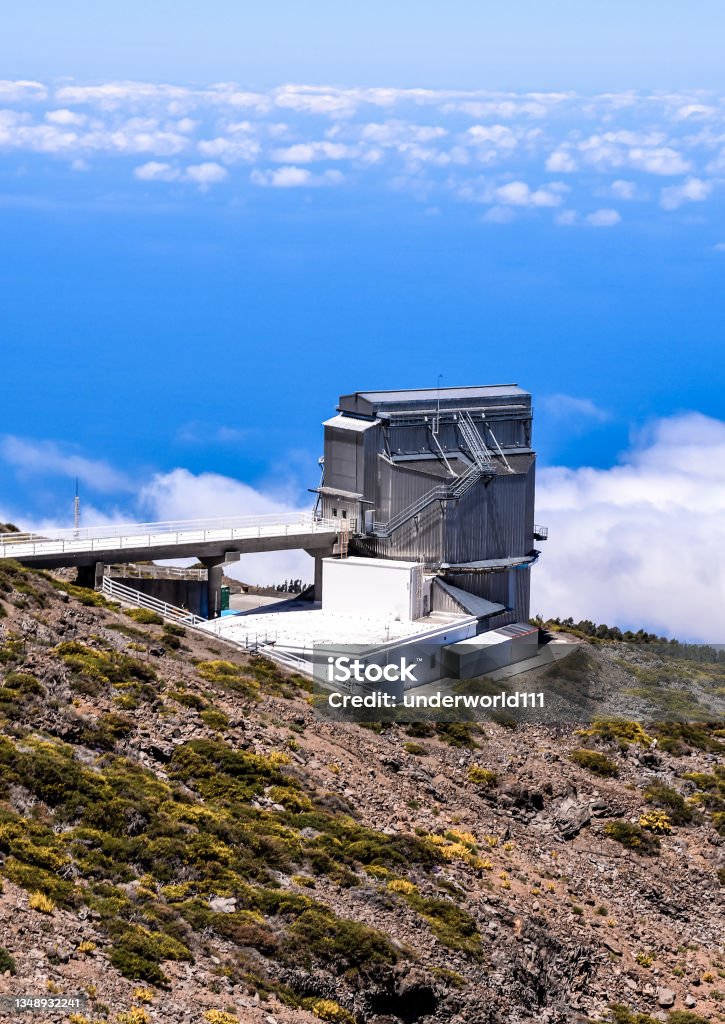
x=530 y=44
x=199 y=256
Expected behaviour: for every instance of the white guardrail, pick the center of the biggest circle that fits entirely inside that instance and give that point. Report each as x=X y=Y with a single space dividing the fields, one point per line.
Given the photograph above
x=127 y=595
x=149 y=535
x=114 y=589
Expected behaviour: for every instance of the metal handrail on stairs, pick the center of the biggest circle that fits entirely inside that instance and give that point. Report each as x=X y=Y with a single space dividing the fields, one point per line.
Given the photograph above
x=441 y=492
x=483 y=463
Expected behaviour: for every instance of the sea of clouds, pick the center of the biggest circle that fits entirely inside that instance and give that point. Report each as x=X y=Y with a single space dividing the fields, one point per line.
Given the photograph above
x=579 y=160
x=639 y=544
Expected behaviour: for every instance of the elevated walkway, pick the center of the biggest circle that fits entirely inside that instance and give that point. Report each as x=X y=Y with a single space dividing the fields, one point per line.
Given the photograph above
x=212 y=539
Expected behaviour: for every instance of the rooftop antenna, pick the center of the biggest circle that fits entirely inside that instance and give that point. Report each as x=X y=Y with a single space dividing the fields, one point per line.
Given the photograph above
x=436 y=424
x=76 y=509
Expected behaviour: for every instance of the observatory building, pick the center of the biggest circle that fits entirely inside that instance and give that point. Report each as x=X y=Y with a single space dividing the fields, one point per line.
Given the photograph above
x=443 y=478
x=432 y=496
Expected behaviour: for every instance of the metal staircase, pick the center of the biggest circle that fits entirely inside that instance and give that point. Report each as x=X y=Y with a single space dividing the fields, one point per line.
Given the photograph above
x=483 y=464
x=475 y=444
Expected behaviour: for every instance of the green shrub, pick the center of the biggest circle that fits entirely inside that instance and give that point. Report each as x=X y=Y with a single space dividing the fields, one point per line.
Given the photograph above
x=686 y=1017
x=189 y=700
x=214 y=719
x=457 y=734
x=24 y=683
x=669 y=799
x=483 y=777
x=7 y=962
x=171 y=629
x=145 y=617
x=228 y=676
x=137 y=953
x=618 y=731
x=633 y=837
x=679 y=738
x=623 y=1015
x=317 y=935
x=451 y=925
x=415 y=748
x=593 y=761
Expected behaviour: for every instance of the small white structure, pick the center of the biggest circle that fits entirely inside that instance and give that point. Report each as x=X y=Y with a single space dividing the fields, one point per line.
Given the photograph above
x=382 y=588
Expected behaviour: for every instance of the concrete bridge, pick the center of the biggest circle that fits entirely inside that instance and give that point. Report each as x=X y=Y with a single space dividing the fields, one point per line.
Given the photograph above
x=213 y=541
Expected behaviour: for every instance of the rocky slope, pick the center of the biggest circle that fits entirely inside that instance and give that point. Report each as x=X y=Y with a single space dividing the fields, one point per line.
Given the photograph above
x=182 y=841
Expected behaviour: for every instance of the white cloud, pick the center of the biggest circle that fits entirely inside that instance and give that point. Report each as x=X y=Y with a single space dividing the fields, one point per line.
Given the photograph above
x=48 y=458
x=638 y=150
x=566 y=218
x=21 y=91
x=500 y=214
x=113 y=95
x=695 y=111
x=518 y=193
x=665 y=160
x=309 y=152
x=694 y=190
x=315 y=100
x=561 y=162
x=236 y=148
x=206 y=174
x=155 y=171
x=180 y=494
x=65 y=117
x=496 y=136
x=635 y=545
x=604 y=218
x=202 y=175
x=567 y=407
x=623 y=189
x=395 y=132
x=295 y=177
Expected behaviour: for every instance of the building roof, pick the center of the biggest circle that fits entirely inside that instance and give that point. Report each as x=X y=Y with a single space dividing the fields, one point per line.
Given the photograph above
x=446 y=394
x=490 y=564
x=335 y=492
x=417 y=401
x=471 y=603
x=350 y=423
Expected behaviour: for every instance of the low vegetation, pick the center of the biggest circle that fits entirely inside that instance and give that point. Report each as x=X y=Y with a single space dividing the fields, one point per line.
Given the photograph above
x=593 y=761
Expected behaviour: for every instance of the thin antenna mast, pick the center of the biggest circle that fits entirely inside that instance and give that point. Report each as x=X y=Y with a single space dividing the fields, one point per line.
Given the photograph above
x=437 y=423
x=76 y=509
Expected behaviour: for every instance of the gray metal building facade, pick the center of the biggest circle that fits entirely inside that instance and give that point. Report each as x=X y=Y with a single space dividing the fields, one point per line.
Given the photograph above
x=444 y=477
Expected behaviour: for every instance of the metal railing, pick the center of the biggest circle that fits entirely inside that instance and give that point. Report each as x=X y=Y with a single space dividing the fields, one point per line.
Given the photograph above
x=132 y=570
x=441 y=492
x=475 y=442
x=140 y=535
x=111 y=588
x=127 y=595
x=541 y=532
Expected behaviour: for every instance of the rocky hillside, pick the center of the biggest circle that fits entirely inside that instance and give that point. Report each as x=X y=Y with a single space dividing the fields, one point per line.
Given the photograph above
x=181 y=841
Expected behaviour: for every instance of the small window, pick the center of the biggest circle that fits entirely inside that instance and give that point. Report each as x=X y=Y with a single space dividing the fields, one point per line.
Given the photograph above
x=334 y=511
x=344 y=513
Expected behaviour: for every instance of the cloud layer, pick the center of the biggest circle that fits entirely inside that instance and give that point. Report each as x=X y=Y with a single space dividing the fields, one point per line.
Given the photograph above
x=636 y=545
x=551 y=155
x=640 y=544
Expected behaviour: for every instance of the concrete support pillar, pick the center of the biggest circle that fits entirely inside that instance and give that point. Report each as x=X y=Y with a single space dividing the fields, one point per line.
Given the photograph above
x=215 y=572
x=318 y=555
x=318 y=578
x=90 y=576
